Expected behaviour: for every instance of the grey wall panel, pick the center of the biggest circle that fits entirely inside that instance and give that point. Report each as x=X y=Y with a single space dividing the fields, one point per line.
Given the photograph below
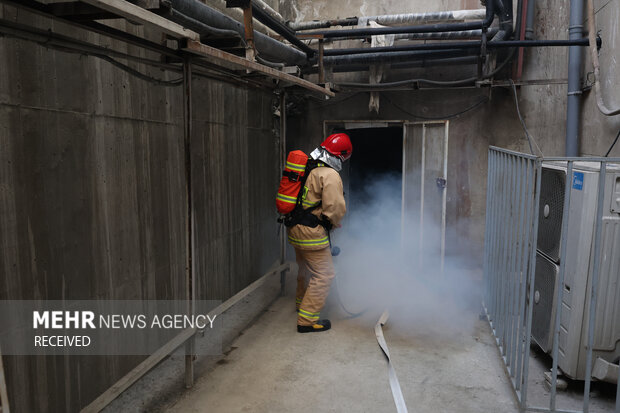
x=92 y=195
x=235 y=171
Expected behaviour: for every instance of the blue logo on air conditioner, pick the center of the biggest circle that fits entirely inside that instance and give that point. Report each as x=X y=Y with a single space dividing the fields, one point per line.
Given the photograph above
x=578 y=180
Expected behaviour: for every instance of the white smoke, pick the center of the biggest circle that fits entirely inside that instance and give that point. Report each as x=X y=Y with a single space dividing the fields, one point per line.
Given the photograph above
x=381 y=267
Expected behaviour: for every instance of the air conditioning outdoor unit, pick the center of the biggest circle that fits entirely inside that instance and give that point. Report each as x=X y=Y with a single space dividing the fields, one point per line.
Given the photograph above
x=579 y=261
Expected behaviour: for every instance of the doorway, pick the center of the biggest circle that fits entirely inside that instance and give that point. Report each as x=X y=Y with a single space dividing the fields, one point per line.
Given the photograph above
x=373 y=179
x=377 y=156
x=400 y=169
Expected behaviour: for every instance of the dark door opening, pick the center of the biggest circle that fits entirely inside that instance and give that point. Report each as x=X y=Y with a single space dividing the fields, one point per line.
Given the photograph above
x=377 y=159
x=371 y=231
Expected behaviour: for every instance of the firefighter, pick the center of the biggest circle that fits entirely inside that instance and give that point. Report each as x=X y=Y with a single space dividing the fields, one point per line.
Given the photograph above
x=323 y=197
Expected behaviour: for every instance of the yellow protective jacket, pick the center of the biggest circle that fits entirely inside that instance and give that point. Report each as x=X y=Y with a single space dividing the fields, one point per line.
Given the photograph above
x=323 y=186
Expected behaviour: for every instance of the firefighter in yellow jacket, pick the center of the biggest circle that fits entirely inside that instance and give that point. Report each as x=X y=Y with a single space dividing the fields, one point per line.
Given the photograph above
x=323 y=197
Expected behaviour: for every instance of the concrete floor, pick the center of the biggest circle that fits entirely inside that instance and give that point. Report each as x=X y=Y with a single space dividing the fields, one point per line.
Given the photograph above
x=602 y=395
x=272 y=368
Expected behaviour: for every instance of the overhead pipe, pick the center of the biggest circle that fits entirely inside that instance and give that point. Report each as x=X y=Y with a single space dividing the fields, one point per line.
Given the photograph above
x=267 y=9
x=393 y=57
x=504 y=12
x=322 y=24
x=281 y=29
x=460 y=45
x=392 y=19
x=452 y=61
x=464 y=34
x=443 y=83
x=445 y=35
x=575 y=57
x=430 y=28
x=268 y=47
x=376 y=31
x=404 y=48
x=202 y=29
x=519 y=26
x=520 y=35
x=275 y=65
x=401 y=65
x=529 y=19
x=234 y=13
x=440 y=16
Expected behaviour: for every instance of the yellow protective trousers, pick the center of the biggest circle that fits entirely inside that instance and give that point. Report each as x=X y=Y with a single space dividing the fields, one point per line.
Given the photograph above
x=316 y=272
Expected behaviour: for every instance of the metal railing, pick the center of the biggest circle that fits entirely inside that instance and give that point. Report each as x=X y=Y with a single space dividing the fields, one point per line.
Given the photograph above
x=512 y=220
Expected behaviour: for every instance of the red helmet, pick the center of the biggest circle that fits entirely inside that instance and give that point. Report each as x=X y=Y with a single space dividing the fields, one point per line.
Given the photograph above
x=338 y=145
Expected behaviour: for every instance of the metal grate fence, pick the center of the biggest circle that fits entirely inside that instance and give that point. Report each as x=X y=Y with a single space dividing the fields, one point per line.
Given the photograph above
x=512 y=227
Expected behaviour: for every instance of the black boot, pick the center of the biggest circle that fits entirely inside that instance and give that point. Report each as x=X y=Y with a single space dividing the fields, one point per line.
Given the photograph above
x=321 y=325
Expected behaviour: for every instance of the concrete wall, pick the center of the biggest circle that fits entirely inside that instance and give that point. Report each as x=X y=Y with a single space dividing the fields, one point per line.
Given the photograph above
x=544 y=107
x=92 y=201
x=494 y=123
x=236 y=167
x=92 y=194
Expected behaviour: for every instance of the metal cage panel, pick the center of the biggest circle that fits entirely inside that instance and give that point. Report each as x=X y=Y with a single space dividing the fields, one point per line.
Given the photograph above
x=545 y=279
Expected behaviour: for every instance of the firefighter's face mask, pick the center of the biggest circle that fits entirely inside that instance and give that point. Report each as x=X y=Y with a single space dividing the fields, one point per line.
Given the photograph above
x=322 y=155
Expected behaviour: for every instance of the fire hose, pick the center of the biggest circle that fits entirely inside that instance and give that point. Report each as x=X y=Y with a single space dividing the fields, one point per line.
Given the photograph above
x=397 y=393
x=335 y=252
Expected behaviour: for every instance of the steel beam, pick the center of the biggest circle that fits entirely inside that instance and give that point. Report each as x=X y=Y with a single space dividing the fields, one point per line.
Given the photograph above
x=217 y=55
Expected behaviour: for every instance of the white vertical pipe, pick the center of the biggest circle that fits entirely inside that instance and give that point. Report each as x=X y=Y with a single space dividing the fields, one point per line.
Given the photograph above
x=422 y=175
x=444 y=196
x=403 y=189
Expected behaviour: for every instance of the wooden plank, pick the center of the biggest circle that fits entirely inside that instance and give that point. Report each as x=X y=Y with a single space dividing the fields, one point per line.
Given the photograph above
x=85 y=12
x=71 y=10
x=141 y=369
x=249 y=289
x=138 y=14
x=212 y=53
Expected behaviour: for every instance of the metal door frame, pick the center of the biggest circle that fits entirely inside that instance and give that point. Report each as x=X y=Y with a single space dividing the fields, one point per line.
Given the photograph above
x=444 y=200
x=404 y=124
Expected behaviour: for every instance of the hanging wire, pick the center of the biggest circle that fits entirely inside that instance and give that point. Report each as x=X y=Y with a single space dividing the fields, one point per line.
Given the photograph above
x=48 y=43
x=414 y=82
x=139 y=75
x=114 y=62
x=530 y=139
x=321 y=103
x=484 y=99
x=613 y=144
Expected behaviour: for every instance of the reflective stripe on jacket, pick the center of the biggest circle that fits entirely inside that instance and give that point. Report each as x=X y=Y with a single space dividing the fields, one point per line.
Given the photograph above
x=323 y=186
